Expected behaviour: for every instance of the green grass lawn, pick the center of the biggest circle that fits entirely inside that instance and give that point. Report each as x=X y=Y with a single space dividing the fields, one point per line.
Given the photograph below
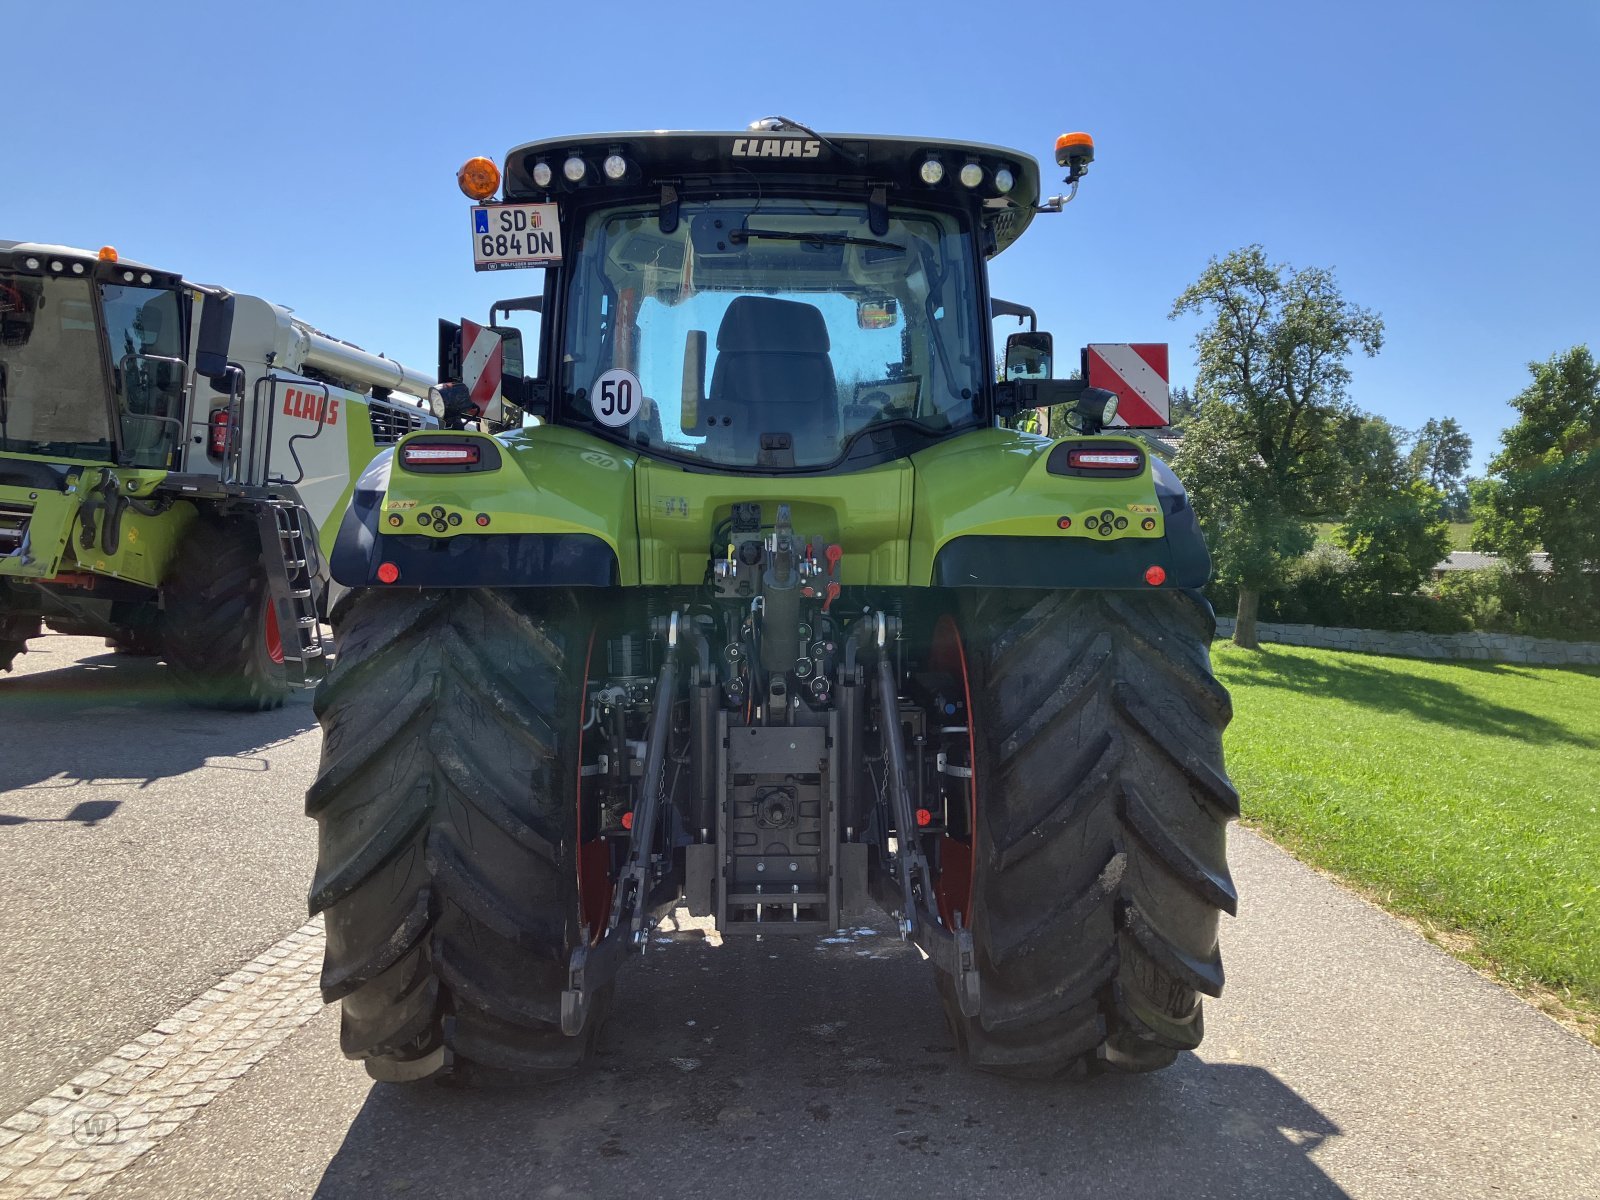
x=1460 y=533
x=1466 y=795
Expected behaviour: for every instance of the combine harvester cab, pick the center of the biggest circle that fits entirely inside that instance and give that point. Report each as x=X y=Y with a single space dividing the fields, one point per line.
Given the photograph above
x=170 y=457
x=774 y=614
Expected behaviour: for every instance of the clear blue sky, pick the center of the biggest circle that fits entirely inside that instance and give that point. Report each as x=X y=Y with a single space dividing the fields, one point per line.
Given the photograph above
x=1444 y=159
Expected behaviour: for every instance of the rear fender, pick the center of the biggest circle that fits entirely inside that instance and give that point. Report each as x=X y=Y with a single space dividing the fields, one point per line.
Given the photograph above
x=543 y=507
x=1002 y=508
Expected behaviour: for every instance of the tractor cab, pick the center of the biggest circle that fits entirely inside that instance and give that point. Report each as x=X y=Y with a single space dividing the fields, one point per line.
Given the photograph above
x=772 y=300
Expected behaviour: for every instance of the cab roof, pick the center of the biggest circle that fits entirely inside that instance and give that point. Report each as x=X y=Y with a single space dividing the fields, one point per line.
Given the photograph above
x=842 y=161
x=16 y=256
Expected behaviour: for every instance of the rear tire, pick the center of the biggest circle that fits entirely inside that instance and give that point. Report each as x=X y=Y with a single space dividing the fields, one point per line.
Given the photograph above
x=216 y=631
x=1101 y=864
x=446 y=804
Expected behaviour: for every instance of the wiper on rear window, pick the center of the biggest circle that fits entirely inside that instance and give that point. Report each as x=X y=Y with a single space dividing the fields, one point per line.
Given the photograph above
x=738 y=236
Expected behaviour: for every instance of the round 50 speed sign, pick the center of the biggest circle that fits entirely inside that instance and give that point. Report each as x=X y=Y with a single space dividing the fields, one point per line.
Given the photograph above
x=616 y=397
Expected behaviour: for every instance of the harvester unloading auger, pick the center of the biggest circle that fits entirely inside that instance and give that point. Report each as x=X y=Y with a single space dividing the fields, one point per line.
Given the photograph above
x=173 y=459
x=772 y=615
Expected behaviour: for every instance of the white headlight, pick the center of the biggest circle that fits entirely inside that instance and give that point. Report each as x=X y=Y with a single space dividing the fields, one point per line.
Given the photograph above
x=1110 y=411
x=932 y=171
x=971 y=175
x=145 y=278
x=77 y=268
x=436 y=402
x=574 y=169
x=56 y=264
x=1004 y=180
x=31 y=263
x=542 y=174
x=615 y=166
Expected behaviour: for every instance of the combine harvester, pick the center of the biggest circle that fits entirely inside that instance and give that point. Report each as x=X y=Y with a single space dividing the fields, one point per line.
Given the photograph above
x=170 y=456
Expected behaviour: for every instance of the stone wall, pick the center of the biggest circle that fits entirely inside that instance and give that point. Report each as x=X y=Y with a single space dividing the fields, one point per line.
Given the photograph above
x=1486 y=647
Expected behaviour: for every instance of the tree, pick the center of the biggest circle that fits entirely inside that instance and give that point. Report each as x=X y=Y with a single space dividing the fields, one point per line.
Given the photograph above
x=1377 y=461
x=1183 y=406
x=1544 y=485
x=1395 y=535
x=1440 y=455
x=1262 y=455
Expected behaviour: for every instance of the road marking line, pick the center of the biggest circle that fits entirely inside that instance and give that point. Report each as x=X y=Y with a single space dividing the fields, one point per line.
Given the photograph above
x=76 y=1139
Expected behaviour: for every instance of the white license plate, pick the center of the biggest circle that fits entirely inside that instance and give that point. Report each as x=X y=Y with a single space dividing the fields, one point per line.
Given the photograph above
x=514 y=235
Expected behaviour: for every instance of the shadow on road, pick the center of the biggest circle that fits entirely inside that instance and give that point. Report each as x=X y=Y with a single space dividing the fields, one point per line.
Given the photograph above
x=113 y=718
x=784 y=1069
x=1384 y=684
x=88 y=813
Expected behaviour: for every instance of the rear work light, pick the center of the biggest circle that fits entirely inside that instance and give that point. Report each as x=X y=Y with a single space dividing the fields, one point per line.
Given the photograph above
x=440 y=456
x=1105 y=460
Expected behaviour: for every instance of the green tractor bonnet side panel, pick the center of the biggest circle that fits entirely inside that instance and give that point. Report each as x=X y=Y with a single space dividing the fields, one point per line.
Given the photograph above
x=540 y=506
x=866 y=513
x=1001 y=508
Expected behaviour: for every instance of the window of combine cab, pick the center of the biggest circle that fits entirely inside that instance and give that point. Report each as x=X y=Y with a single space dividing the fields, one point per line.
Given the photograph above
x=813 y=329
x=52 y=392
x=145 y=336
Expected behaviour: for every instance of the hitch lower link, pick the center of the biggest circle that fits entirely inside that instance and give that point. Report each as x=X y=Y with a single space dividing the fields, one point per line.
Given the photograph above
x=595 y=964
x=950 y=950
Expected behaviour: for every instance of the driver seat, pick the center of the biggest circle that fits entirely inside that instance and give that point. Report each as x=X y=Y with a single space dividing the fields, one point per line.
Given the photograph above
x=773 y=376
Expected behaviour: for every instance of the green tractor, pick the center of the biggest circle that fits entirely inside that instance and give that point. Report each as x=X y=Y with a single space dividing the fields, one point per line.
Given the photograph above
x=768 y=610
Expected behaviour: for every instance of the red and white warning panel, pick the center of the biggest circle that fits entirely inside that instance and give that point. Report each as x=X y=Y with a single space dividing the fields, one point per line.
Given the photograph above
x=1137 y=372
x=482 y=365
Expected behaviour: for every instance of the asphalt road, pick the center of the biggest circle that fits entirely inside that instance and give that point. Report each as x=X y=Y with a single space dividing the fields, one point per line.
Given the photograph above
x=147 y=851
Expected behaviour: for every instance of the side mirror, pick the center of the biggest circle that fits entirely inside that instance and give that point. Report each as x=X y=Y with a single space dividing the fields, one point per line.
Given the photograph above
x=511 y=352
x=877 y=314
x=694 y=380
x=1029 y=356
x=449 y=351
x=216 y=331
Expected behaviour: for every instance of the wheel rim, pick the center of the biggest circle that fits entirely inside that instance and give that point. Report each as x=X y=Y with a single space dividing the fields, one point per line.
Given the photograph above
x=953 y=886
x=594 y=854
x=269 y=631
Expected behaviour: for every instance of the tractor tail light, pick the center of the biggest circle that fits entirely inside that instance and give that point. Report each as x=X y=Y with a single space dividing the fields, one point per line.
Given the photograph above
x=440 y=456
x=1096 y=458
x=1105 y=460
x=219 y=433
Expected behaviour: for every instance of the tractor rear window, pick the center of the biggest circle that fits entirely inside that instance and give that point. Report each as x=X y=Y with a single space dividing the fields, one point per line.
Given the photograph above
x=780 y=334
